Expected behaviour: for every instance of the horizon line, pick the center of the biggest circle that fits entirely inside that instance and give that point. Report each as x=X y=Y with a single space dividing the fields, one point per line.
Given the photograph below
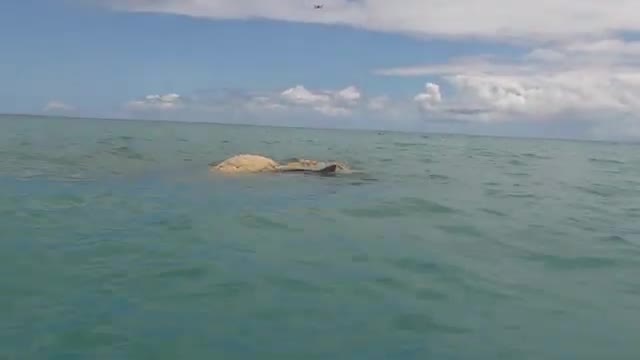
x=405 y=132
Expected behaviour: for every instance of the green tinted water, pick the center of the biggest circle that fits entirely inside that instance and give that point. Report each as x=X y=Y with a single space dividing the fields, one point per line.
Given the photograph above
x=117 y=242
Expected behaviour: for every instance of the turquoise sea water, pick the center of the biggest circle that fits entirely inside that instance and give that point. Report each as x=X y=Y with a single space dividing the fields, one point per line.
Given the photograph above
x=116 y=242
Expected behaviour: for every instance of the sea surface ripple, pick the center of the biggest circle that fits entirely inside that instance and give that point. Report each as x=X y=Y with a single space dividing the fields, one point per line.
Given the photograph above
x=117 y=242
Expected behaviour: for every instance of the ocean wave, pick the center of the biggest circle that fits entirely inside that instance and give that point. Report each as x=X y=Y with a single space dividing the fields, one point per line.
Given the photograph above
x=606 y=161
x=399 y=208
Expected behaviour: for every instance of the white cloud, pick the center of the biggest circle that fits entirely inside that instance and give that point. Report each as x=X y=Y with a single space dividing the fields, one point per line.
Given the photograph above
x=587 y=80
x=430 y=97
x=331 y=103
x=261 y=103
x=513 y=98
x=472 y=64
x=497 y=19
x=482 y=102
x=604 y=55
x=328 y=102
x=350 y=95
x=297 y=105
x=156 y=102
x=58 y=106
x=301 y=96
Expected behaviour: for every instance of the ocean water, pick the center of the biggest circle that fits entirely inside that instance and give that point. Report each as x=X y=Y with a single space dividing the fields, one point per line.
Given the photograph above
x=116 y=242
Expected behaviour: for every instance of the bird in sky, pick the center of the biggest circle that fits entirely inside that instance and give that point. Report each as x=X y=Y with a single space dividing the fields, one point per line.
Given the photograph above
x=318 y=6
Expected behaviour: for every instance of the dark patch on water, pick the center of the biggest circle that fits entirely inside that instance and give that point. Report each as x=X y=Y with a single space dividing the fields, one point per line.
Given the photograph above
x=229 y=290
x=402 y=207
x=521 y=195
x=559 y=312
x=91 y=339
x=428 y=294
x=461 y=229
x=633 y=183
x=498 y=193
x=360 y=258
x=186 y=272
x=571 y=263
x=535 y=156
x=518 y=174
x=485 y=153
x=512 y=327
x=316 y=263
x=605 y=161
x=439 y=177
x=597 y=190
x=365 y=292
x=358 y=183
x=582 y=224
x=55 y=203
x=516 y=162
x=105 y=141
x=632 y=289
x=493 y=192
x=234 y=288
x=126 y=152
x=175 y=223
x=287 y=314
x=264 y=223
x=493 y=212
x=615 y=239
x=416 y=265
x=240 y=248
x=388 y=282
x=492 y=291
x=613 y=171
x=296 y=285
x=422 y=324
x=407 y=144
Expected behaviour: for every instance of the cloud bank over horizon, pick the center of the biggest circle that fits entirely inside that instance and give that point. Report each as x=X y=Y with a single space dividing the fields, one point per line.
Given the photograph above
x=330 y=103
x=594 y=81
x=58 y=107
x=300 y=106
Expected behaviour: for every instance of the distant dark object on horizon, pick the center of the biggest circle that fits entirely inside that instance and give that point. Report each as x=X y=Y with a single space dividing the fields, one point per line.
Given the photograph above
x=318 y=6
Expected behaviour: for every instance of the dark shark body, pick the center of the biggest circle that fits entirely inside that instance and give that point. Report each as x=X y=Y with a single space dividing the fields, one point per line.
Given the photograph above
x=327 y=170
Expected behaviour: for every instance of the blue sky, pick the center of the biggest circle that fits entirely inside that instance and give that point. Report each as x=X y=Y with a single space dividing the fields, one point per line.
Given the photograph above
x=407 y=64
